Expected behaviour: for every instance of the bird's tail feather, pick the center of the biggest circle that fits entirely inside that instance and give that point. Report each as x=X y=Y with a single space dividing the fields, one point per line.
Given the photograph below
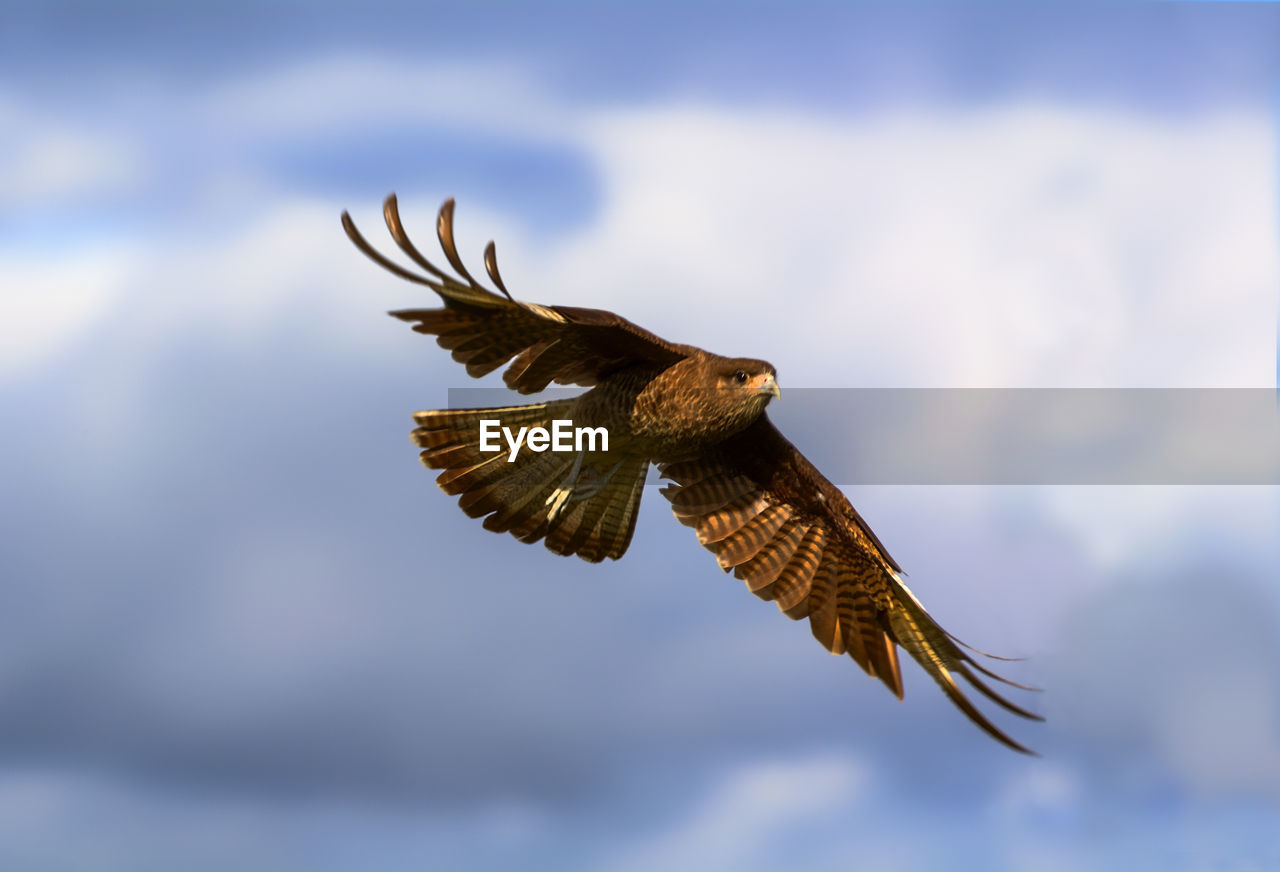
x=582 y=503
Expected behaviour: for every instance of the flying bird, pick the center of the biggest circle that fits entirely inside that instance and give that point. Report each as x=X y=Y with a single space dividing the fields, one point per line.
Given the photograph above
x=765 y=512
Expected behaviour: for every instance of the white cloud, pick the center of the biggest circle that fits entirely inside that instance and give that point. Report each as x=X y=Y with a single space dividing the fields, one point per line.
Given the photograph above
x=288 y=262
x=44 y=159
x=48 y=302
x=1026 y=245
x=1023 y=244
x=755 y=806
x=329 y=96
x=1130 y=528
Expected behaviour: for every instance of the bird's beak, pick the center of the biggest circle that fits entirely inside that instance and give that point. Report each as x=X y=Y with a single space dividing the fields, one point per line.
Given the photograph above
x=769 y=386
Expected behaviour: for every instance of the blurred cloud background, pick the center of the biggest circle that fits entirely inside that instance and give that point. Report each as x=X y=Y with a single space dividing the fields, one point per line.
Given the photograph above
x=240 y=628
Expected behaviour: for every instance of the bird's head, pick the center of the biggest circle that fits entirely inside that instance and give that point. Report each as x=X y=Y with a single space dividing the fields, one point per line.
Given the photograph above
x=746 y=384
x=756 y=379
x=715 y=397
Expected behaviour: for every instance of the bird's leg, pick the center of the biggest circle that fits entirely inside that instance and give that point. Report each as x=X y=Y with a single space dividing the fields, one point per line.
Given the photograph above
x=560 y=496
x=585 y=490
x=573 y=491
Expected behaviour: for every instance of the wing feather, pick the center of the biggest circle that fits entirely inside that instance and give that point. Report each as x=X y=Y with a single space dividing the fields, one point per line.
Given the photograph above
x=791 y=588
x=824 y=621
x=714 y=526
x=484 y=330
x=762 y=570
x=768 y=514
x=751 y=538
x=709 y=495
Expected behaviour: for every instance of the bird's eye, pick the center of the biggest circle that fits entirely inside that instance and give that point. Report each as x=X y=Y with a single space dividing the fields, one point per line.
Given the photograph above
x=740 y=376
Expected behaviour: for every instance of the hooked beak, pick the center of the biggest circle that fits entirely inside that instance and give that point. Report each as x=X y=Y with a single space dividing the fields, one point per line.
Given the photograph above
x=770 y=386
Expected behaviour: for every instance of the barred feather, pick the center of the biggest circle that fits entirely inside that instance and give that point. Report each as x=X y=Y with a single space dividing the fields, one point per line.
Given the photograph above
x=753 y=536
x=762 y=570
x=714 y=526
x=514 y=497
x=752 y=503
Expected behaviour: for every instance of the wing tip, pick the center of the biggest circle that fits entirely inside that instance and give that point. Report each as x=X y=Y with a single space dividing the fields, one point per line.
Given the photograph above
x=948 y=683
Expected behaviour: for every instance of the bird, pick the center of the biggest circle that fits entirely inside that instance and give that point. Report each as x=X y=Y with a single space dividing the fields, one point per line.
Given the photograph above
x=753 y=500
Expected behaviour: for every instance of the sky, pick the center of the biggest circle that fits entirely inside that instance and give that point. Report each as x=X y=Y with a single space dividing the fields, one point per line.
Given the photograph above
x=241 y=629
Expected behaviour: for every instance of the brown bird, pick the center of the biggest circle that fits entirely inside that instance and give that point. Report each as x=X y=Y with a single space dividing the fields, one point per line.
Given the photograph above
x=754 y=500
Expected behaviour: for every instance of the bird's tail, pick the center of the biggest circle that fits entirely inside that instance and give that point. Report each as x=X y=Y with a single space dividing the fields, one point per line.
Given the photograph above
x=582 y=500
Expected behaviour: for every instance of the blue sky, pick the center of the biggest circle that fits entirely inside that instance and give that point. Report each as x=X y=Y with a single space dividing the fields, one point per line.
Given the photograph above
x=241 y=629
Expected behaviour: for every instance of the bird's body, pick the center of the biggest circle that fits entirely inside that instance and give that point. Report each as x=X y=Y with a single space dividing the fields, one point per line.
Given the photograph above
x=756 y=502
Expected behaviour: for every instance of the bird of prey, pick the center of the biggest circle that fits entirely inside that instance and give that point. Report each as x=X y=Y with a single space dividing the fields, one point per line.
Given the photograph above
x=753 y=500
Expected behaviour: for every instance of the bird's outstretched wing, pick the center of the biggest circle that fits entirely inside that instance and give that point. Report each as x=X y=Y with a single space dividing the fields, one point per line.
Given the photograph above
x=484 y=330
x=767 y=513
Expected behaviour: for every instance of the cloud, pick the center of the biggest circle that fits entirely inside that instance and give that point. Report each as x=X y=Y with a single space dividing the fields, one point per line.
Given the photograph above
x=1018 y=245
x=240 y=584
x=127 y=827
x=281 y=103
x=1127 y=529
x=1025 y=243
x=48 y=157
x=49 y=302
x=750 y=810
x=1175 y=676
